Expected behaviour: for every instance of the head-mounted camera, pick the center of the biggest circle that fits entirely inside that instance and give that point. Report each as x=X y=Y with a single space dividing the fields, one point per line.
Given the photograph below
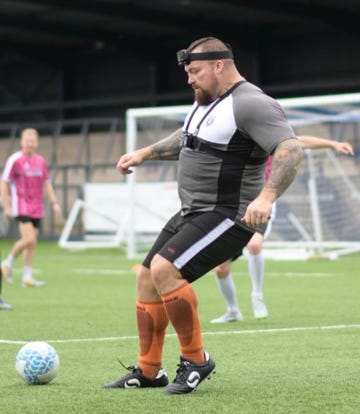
x=185 y=56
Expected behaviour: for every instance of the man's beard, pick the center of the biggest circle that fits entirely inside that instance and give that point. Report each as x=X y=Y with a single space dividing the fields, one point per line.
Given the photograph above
x=202 y=97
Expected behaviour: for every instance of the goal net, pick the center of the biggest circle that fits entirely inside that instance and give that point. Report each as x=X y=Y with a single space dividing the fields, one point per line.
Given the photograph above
x=318 y=216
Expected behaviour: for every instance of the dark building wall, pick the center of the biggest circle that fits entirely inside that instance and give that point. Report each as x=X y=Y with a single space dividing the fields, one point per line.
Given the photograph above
x=50 y=84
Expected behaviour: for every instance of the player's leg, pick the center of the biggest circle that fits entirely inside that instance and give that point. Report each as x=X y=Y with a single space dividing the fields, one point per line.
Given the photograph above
x=182 y=253
x=226 y=285
x=6 y=267
x=203 y=242
x=26 y=239
x=152 y=321
x=256 y=268
x=256 y=263
x=28 y=255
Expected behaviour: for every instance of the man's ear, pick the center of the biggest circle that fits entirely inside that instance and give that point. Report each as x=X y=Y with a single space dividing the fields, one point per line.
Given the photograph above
x=219 y=66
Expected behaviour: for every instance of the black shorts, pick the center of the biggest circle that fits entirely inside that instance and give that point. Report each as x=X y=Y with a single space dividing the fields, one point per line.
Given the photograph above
x=26 y=219
x=198 y=242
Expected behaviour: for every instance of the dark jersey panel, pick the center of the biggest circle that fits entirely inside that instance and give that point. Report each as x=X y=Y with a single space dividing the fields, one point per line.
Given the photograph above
x=239 y=131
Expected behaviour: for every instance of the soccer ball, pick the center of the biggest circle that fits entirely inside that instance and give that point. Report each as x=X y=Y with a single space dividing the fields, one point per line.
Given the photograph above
x=37 y=363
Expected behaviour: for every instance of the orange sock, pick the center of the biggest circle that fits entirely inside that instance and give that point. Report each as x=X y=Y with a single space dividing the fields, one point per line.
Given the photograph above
x=152 y=322
x=181 y=307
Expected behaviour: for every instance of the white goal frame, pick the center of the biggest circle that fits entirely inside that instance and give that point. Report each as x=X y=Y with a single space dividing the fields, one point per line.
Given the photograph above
x=309 y=246
x=77 y=209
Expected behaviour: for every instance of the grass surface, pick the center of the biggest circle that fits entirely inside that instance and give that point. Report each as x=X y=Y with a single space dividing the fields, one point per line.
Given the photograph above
x=305 y=358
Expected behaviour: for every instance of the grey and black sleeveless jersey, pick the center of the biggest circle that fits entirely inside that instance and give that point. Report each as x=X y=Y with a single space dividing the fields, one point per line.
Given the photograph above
x=225 y=149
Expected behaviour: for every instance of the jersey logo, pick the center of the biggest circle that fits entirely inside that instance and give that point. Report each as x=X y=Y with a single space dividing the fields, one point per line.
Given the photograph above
x=210 y=120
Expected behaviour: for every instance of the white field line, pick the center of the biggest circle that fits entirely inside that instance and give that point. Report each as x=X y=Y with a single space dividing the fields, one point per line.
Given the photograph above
x=91 y=271
x=214 y=333
x=129 y=272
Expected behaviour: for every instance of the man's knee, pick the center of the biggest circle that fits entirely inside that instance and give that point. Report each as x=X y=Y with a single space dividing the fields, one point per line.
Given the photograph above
x=29 y=241
x=163 y=273
x=223 y=269
x=143 y=279
x=159 y=268
x=255 y=244
x=28 y=235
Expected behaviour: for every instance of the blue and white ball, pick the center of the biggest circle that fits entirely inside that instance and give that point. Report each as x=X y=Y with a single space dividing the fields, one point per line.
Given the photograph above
x=37 y=363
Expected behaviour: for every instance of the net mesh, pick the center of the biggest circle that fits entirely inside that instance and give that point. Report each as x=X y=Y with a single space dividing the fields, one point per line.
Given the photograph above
x=321 y=207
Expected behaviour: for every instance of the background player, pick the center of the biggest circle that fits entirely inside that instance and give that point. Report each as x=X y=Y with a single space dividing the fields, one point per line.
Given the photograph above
x=256 y=258
x=24 y=181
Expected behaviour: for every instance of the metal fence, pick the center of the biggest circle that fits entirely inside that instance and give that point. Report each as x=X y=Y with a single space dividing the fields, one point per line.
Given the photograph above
x=77 y=151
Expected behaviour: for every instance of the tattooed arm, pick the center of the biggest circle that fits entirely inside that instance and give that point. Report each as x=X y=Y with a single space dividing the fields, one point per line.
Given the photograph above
x=285 y=165
x=166 y=149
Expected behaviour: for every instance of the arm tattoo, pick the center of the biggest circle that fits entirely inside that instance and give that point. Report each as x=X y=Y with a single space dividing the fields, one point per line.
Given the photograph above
x=285 y=165
x=168 y=148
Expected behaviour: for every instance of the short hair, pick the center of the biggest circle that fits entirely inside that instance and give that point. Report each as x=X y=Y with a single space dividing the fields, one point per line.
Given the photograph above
x=209 y=44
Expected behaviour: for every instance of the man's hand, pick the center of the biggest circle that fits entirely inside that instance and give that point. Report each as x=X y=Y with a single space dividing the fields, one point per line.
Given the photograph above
x=131 y=159
x=8 y=212
x=57 y=210
x=343 y=147
x=257 y=212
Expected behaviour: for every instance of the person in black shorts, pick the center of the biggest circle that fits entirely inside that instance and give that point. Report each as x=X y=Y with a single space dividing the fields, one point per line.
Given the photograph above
x=24 y=183
x=222 y=150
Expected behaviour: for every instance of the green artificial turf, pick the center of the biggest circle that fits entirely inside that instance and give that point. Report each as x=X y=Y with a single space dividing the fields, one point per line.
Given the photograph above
x=304 y=358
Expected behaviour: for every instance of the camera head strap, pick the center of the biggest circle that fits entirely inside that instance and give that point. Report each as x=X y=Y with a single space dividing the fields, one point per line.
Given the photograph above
x=185 y=56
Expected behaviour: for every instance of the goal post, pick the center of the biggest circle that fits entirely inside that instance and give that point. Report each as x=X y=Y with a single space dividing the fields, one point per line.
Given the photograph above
x=157 y=120
x=317 y=216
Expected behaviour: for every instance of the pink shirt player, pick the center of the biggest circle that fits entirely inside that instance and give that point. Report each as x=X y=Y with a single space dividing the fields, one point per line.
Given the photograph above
x=26 y=177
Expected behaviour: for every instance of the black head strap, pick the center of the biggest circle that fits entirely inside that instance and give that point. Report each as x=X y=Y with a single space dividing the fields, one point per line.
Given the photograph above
x=185 y=56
